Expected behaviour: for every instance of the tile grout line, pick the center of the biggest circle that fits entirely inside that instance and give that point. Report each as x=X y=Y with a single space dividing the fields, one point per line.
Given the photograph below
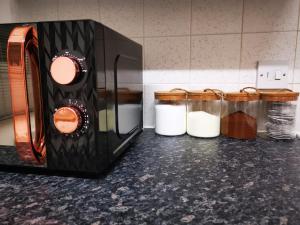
x=99 y=11
x=144 y=62
x=217 y=34
x=266 y=32
x=241 y=43
x=143 y=12
x=191 y=23
x=57 y=10
x=196 y=83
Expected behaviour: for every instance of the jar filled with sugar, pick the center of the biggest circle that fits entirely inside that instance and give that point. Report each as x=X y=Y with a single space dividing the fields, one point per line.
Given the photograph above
x=239 y=114
x=280 y=112
x=170 y=112
x=204 y=113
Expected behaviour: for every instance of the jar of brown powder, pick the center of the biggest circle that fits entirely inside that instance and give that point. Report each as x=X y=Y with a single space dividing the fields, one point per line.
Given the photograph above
x=239 y=114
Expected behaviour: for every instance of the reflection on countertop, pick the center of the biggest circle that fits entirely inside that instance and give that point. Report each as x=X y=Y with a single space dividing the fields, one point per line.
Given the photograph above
x=168 y=180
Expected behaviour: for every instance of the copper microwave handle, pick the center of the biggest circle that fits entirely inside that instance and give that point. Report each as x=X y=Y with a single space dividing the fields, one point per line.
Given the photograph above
x=23 y=39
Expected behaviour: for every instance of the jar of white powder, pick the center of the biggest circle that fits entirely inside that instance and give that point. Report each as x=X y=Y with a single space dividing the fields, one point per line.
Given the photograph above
x=170 y=112
x=204 y=113
x=128 y=111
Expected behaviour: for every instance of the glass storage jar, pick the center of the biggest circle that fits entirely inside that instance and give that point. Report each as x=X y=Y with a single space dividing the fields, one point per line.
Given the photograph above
x=204 y=113
x=129 y=111
x=239 y=114
x=280 y=111
x=170 y=112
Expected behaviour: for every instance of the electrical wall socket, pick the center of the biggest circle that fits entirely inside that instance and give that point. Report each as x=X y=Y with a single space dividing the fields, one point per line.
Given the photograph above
x=272 y=74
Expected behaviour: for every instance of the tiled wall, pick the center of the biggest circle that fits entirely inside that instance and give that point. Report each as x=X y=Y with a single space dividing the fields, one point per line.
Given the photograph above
x=191 y=44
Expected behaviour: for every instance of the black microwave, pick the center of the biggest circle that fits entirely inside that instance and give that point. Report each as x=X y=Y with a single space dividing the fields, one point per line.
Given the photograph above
x=71 y=96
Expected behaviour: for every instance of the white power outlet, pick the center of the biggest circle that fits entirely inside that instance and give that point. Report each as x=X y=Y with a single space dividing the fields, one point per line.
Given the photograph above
x=272 y=74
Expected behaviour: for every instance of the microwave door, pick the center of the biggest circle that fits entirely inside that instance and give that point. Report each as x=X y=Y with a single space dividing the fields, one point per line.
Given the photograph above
x=19 y=75
x=22 y=40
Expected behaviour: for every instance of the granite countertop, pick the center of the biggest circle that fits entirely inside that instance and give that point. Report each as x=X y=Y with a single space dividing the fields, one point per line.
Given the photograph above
x=168 y=180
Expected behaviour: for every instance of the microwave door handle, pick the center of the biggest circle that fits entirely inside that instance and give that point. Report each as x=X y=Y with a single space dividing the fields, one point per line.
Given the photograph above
x=39 y=140
x=116 y=96
x=23 y=39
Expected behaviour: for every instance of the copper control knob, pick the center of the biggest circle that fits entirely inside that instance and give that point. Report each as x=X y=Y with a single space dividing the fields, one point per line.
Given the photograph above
x=67 y=119
x=64 y=69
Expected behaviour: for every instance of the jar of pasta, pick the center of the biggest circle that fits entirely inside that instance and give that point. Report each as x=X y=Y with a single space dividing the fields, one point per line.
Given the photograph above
x=280 y=112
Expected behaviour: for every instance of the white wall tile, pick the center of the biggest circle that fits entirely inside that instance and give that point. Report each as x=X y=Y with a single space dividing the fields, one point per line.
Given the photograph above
x=138 y=40
x=270 y=15
x=220 y=86
x=149 y=89
x=35 y=10
x=243 y=85
x=266 y=46
x=173 y=58
x=171 y=76
x=215 y=58
x=167 y=17
x=167 y=60
x=78 y=9
x=216 y=16
x=6 y=15
x=291 y=86
x=167 y=52
x=124 y=16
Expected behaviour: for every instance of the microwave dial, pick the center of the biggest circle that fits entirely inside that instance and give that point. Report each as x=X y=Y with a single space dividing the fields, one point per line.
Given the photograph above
x=71 y=118
x=67 y=68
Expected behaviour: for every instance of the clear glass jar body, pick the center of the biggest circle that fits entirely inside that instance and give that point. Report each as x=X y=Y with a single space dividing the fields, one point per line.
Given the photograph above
x=170 y=117
x=239 y=119
x=280 y=119
x=203 y=118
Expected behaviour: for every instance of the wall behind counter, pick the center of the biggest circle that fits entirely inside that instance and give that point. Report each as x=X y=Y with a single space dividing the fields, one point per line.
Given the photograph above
x=191 y=44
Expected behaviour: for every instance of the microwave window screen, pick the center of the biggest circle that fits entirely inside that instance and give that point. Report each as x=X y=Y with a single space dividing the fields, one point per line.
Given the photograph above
x=6 y=118
x=6 y=122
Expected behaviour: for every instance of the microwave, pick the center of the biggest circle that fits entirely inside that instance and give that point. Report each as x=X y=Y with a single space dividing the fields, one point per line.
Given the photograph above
x=71 y=96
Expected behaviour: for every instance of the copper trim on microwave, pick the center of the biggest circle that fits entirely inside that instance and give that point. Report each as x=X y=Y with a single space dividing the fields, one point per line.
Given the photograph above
x=22 y=40
x=67 y=119
x=64 y=70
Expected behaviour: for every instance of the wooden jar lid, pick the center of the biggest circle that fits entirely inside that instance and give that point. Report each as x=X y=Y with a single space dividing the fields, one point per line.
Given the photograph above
x=241 y=96
x=129 y=96
x=278 y=95
x=102 y=93
x=176 y=95
x=206 y=95
x=124 y=95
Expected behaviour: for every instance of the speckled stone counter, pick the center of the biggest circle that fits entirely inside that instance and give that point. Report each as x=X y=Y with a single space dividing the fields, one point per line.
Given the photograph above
x=168 y=180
